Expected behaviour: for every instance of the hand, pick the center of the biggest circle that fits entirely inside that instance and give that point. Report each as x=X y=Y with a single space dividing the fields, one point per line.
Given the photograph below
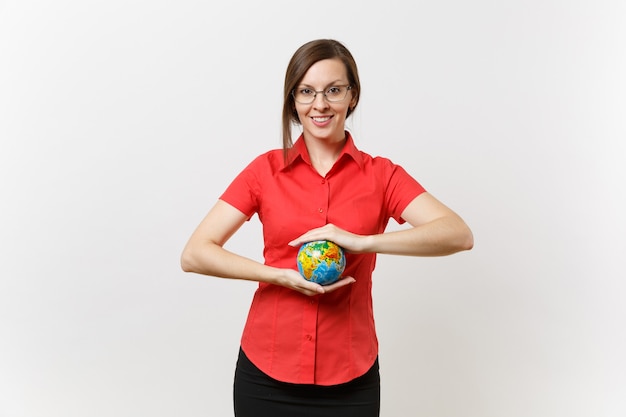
x=293 y=280
x=348 y=241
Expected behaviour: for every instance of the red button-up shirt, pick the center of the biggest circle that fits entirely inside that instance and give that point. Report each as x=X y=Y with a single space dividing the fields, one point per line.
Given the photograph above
x=330 y=338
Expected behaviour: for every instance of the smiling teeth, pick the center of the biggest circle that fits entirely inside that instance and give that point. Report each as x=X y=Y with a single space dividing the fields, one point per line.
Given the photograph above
x=321 y=119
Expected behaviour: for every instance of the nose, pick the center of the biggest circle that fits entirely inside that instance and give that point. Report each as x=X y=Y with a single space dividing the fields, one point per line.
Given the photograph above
x=319 y=101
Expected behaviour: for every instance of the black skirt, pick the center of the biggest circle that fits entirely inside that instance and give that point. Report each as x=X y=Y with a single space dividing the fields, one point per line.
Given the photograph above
x=257 y=395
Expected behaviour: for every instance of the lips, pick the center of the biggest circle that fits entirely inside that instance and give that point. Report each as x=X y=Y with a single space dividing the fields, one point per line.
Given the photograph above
x=321 y=120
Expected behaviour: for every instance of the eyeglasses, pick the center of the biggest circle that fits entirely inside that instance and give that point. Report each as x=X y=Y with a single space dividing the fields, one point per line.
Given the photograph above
x=304 y=95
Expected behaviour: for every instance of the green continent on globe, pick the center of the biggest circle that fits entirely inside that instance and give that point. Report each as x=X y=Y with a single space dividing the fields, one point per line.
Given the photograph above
x=321 y=261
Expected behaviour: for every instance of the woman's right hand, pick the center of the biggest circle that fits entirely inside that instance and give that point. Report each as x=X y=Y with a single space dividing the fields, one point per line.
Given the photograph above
x=293 y=280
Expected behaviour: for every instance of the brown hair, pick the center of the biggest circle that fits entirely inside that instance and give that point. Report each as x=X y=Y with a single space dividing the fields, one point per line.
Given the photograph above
x=307 y=55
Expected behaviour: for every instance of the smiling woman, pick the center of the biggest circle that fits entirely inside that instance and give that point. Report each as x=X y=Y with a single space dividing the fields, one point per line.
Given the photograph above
x=323 y=116
x=307 y=346
x=118 y=119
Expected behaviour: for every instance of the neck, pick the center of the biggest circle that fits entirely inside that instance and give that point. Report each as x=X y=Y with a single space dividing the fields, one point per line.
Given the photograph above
x=324 y=154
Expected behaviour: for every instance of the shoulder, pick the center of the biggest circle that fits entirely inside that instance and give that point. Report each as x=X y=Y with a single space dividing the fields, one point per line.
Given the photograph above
x=379 y=163
x=387 y=171
x=269 y=161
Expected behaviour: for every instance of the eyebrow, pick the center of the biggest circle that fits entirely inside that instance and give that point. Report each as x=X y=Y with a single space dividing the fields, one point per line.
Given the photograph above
x=336 y=82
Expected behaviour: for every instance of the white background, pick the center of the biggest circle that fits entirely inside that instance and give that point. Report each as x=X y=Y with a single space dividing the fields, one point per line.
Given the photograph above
x=121 y=122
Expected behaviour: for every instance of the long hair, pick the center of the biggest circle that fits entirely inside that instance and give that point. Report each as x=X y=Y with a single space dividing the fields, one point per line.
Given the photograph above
x=307 y=55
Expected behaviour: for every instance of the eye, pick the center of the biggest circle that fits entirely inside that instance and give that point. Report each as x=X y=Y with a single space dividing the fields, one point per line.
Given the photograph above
x=334 y=91
x=306 y=92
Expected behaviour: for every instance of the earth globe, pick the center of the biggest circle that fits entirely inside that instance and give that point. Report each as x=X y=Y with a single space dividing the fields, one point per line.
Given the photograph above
x=321 y=261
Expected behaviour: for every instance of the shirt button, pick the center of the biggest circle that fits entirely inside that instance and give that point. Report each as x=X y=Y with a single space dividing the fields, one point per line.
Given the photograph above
x=309 y=337
x=321 y=210
x=324 y=181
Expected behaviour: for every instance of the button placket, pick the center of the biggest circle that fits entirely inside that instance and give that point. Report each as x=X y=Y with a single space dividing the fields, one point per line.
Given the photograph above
x=309 y=329
x=325 y=195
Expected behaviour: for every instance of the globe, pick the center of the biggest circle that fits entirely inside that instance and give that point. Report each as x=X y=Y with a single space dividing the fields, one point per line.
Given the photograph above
x=321 y=261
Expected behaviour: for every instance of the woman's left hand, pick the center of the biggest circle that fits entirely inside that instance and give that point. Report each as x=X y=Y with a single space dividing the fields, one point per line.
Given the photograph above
x=348 y=241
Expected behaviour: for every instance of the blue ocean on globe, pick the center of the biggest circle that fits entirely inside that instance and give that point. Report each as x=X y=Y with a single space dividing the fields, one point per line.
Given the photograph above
x=321 y=261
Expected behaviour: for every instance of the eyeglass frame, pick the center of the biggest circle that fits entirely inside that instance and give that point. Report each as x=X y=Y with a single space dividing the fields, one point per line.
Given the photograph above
x=348 y=88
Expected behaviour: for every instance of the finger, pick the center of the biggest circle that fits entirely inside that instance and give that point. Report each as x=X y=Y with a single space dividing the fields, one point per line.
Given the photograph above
x=320 y=233
x=309 y=237
x=310 y=290
x=339 y=284
x=302 y=239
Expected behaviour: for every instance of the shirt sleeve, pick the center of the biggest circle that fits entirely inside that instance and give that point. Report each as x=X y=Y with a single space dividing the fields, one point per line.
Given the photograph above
x=243 y=191
x=402 y=188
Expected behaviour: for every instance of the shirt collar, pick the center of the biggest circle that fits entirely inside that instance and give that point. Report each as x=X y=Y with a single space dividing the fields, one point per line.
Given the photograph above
x=299 y=151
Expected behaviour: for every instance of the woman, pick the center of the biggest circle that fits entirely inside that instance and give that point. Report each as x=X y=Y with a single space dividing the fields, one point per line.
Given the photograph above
x=307 y=349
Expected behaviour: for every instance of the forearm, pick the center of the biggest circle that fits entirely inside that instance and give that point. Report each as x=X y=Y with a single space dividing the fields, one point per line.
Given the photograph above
x=439 y=237
x=212 y=259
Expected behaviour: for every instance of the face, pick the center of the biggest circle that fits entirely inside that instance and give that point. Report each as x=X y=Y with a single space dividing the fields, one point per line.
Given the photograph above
x=324 y=120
